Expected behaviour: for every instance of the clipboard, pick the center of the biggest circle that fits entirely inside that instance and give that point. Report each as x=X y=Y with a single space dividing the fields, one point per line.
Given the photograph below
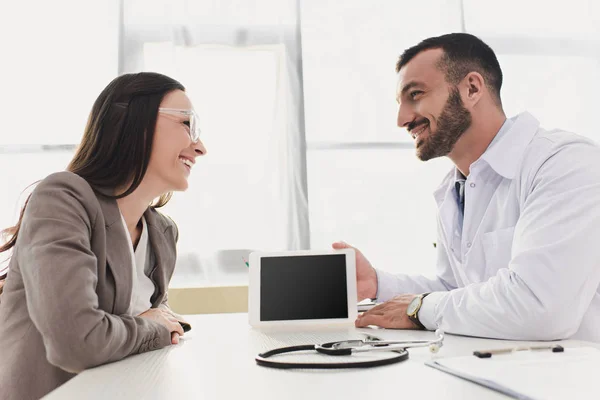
x=530 y=375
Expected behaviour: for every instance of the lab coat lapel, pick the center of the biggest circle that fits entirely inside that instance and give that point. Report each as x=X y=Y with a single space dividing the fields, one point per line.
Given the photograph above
x=447 y=209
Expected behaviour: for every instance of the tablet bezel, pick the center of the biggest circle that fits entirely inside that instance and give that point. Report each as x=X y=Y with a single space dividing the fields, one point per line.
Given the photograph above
x=254 y=289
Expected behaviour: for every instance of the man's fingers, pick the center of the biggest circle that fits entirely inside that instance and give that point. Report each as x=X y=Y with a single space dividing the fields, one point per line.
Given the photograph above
x=379 y=309
x=341 y=245
x=366 y=320
x=373 y=311
x=379 y=312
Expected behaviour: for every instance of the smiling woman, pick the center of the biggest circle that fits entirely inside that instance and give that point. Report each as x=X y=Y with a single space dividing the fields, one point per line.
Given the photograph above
x=91 y=239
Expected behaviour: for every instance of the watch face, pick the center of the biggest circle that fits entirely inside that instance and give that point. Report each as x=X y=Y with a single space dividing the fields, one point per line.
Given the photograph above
x=412 y=307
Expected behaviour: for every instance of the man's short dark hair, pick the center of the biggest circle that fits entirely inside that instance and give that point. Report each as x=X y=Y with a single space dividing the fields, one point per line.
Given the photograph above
x=463 y=53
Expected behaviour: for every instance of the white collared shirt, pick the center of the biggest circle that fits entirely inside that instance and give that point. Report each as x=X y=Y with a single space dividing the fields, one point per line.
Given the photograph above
x=527 y=263
x=143 y=287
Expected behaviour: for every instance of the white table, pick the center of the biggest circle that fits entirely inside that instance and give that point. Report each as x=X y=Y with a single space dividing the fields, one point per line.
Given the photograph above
x=216 y=361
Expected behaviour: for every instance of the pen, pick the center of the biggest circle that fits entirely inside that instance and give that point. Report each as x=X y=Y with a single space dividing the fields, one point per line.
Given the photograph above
x=246 y=262
x=488 y=353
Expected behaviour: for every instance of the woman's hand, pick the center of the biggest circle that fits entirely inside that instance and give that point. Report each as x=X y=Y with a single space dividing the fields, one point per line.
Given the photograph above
x=167 y=320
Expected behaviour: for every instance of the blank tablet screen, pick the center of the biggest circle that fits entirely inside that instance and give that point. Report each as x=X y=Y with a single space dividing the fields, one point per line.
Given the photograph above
x=303 y=287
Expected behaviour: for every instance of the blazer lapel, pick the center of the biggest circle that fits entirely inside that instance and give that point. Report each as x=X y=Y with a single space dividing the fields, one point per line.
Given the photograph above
x=164 y=255
x=118 y=254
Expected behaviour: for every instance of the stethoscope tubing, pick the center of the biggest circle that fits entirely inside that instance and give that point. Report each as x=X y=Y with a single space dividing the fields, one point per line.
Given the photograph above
x=346 y=348
x=262 y=359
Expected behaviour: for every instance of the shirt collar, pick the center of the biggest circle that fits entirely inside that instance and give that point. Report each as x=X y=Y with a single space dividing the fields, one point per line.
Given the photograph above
x=458 y=176
x=512 y=139
x=143 y=242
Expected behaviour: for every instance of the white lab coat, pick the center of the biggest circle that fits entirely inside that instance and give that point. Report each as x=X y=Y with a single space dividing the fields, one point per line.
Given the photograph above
x=527 y=265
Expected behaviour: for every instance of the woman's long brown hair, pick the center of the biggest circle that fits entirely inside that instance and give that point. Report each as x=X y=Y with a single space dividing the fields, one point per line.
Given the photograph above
x=115 y=149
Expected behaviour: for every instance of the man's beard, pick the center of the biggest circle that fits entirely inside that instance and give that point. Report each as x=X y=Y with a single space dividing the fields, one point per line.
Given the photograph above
x=453 y=121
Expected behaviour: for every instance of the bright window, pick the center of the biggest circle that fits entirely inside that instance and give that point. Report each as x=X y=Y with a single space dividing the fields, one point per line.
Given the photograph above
x=365 y=184
x=234 y=201
x=54 y=65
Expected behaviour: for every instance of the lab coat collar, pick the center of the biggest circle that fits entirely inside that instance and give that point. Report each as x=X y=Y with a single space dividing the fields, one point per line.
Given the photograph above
x=504 y=155
x=445 y=187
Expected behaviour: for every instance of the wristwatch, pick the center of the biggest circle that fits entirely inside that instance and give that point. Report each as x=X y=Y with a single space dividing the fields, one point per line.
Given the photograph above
x=412 y=311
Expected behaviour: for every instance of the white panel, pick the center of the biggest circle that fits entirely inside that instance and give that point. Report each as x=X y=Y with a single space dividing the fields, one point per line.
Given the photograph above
x=380 y=201
x=19 y=172
x=349 y=57
x=229 y=13
x=559 y=91
x=57 y=56
x=535 y=18
x=234 y=200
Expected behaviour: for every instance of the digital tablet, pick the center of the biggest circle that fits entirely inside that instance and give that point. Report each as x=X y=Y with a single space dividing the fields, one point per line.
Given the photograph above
x=302 y=288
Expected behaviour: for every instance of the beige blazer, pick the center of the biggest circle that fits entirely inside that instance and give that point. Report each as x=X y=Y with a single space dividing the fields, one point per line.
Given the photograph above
x=64 y=304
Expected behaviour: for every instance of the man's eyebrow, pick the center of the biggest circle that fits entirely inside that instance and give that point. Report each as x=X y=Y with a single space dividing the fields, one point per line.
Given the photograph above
x=406 y=88
x=409 y=86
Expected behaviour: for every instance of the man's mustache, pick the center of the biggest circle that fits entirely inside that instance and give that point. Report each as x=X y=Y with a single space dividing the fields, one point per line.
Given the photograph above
x=414 y=124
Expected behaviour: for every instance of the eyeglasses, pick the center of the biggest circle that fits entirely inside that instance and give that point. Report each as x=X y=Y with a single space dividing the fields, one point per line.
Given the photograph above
x=194 y=129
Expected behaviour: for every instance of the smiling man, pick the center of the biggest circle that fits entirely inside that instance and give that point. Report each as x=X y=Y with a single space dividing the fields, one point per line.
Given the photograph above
x=518 y=216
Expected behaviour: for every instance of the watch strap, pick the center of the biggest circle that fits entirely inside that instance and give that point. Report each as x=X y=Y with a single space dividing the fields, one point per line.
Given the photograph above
x=415 y=318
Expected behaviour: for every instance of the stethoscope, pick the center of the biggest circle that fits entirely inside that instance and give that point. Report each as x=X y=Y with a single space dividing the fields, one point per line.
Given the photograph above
x=349 y=347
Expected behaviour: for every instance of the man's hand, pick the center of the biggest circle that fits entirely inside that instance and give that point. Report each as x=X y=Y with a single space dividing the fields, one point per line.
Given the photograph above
x=366 y=277
x=391 y=314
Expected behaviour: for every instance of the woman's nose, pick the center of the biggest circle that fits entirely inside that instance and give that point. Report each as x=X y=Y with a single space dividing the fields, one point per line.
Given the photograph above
x=199 y=148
